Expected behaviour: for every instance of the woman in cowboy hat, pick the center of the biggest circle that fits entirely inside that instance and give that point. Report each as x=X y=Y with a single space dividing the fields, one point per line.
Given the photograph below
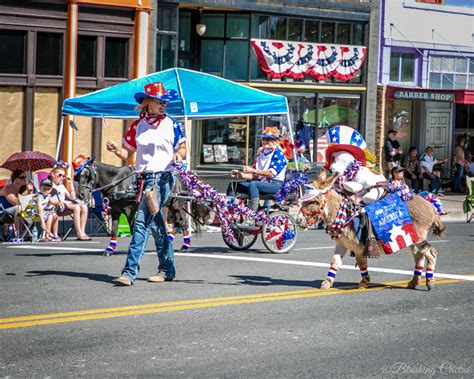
x=157 y=140
x=267 y=173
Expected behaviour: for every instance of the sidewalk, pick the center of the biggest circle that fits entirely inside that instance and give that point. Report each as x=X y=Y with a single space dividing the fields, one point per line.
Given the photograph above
x=453 y=204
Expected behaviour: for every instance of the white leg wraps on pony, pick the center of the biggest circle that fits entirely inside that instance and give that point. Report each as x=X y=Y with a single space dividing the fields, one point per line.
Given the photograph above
x=335 y=263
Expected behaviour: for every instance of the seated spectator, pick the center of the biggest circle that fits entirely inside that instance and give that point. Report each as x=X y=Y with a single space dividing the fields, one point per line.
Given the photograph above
x=9 y=193
x=68 y=202
x=412 y=169
x=9 y=197
x=429 y=171
x=45 y=206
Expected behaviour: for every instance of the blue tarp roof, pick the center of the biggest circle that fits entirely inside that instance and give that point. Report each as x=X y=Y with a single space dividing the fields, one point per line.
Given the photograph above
x=201 y=96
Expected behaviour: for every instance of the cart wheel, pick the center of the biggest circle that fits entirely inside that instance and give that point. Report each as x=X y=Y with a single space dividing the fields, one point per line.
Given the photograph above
x=243 y=239
x=280 y=233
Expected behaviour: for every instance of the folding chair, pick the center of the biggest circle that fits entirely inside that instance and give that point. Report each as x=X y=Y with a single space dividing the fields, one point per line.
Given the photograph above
x=468 y=203
x=97 y=213
x=27 y=215
x=38 y=177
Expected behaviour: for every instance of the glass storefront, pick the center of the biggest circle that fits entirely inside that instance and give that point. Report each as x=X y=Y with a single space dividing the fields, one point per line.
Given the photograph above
x=226 y=141
x=230 y=142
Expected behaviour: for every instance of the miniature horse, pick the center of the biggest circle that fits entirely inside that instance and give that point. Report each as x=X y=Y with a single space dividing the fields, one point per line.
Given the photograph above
x=324 y=205
x=118 y=186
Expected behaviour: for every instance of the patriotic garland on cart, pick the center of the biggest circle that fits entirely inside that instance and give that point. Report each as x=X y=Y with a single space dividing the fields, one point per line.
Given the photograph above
x=230 y=210
x=296 y=60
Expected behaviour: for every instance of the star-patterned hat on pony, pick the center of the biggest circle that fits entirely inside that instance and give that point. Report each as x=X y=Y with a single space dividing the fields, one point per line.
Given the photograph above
x=345 y=138
x=156 y=91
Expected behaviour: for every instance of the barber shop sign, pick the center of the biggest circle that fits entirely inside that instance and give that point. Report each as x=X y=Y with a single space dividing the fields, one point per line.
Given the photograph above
x=423 y=95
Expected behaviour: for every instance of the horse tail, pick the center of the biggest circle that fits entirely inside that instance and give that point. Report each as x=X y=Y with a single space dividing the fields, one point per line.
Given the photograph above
x=438 y=227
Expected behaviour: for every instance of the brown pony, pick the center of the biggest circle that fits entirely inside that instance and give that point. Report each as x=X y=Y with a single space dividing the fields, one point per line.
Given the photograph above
x=325 y=205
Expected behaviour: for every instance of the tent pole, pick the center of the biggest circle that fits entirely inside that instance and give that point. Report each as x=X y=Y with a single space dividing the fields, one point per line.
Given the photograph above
x=187 y=134
x=60 y=136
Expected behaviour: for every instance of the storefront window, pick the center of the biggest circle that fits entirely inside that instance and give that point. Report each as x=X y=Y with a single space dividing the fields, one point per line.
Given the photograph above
x=224 y=141
x=166 y=38
x=278 y=28
x=402 y=67
x=224 y=51
x=12 y=45
x=49 y=54
x=451 y=72
x=212 y=53
x=165 y=52
x=234 y=67
x=327 y=32
x=343 y=33
x=86 y=56
x=311 y=31
x=214 y=24
x=116 y=57
x=295 y=29
x=237 y=26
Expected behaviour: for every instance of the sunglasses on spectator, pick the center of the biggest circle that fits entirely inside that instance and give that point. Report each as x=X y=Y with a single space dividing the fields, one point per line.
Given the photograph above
x=22 y=177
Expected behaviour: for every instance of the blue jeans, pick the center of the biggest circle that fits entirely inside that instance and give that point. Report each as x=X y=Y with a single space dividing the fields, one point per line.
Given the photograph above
x=254 y=188
x=459 y=175
x=144 y=222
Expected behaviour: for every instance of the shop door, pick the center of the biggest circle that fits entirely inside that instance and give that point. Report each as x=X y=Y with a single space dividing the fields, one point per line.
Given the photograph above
x=437 y=132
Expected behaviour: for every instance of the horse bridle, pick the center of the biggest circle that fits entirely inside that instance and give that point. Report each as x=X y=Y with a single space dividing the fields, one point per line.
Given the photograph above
x=313 y=217
x=93 y=174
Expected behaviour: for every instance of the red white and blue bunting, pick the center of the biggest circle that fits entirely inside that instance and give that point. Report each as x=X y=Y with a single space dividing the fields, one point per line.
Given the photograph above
x=296 y=60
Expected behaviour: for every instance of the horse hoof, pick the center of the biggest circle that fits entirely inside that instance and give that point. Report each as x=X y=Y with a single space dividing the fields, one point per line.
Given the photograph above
x=106 y=253
x=412 y=284
x=325 y=285
x=364 y=283
x=430 y=284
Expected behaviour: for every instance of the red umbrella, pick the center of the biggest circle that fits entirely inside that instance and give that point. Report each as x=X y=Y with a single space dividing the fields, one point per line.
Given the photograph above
x=29 y=161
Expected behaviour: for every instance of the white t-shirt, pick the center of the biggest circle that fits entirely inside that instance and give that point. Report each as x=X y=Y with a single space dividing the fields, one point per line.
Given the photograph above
x=60 y=191
x=154 y=139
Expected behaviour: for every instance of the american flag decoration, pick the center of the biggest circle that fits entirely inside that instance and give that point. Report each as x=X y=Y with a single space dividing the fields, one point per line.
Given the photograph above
x=104 y=122
x=296 y=60
x=392 y=223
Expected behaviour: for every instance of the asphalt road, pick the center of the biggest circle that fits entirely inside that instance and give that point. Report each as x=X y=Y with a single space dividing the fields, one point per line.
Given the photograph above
x=231 y=314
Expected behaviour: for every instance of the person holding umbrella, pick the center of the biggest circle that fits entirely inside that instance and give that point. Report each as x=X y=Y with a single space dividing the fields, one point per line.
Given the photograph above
x=157 y=140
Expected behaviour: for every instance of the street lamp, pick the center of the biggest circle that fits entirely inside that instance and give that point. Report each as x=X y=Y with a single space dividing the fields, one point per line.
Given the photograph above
x=200 y=27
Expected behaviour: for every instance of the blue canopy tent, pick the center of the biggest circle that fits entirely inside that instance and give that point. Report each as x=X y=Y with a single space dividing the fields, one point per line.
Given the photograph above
x=200 y=96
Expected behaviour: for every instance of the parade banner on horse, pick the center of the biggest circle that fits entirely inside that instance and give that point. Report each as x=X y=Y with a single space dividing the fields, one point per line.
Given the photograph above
x=392 y=223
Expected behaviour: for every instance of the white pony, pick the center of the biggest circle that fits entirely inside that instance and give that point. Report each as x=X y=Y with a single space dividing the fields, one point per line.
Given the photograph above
x=346 y=146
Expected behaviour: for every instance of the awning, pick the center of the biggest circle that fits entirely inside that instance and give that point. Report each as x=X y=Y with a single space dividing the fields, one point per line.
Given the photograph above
x=201 y=96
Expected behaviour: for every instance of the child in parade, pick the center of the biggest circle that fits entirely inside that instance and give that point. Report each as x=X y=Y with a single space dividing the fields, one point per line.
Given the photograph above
x=398 y=184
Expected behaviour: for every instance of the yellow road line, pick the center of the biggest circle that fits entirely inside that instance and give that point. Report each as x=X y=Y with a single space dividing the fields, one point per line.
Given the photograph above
x=94 y=314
